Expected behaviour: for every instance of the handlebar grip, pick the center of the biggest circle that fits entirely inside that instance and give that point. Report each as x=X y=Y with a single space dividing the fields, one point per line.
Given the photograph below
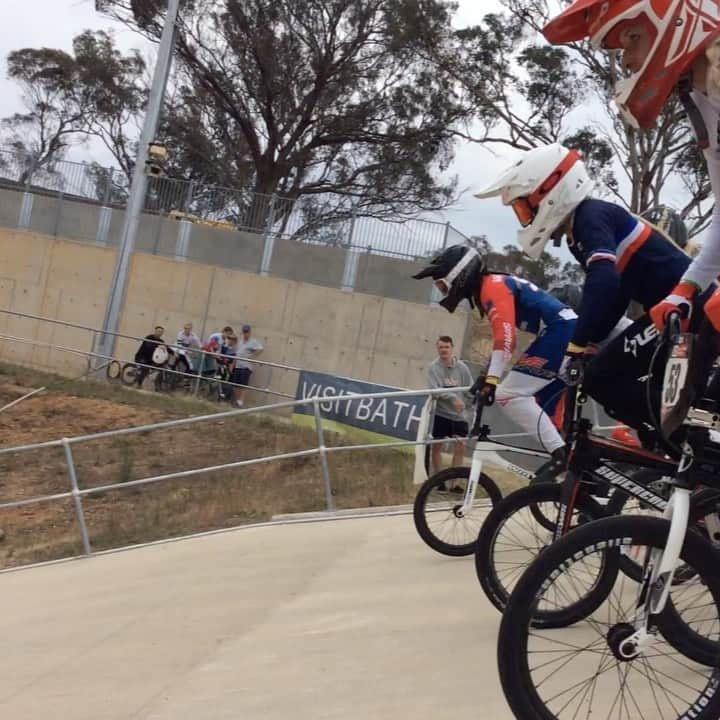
x=673 y=324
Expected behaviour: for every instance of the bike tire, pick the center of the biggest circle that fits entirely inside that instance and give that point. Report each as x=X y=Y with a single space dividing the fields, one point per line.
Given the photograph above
x=128 y=374
x=113 y=370
x=428 y=502
x=499 y=564
x=690 y=637
x=530 y=684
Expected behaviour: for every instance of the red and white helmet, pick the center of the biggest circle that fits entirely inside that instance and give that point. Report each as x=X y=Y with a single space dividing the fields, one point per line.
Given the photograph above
x=680 y=31
x=543 y=188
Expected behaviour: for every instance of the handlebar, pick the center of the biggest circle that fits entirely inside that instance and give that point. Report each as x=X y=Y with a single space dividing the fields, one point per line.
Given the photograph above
x=673 y=326
x=477 y=424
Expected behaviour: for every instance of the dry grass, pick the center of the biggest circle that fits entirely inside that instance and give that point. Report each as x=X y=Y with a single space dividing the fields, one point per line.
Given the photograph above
x=167 y=508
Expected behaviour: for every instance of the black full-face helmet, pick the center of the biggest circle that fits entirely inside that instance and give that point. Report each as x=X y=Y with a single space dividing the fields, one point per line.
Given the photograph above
x=670 y=222
x=457 y=273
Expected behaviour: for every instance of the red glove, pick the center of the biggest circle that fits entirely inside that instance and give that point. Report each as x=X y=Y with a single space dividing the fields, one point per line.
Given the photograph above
x=680 y=300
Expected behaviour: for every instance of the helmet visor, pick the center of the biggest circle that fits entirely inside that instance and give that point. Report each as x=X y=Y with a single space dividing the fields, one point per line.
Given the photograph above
x=523 y=210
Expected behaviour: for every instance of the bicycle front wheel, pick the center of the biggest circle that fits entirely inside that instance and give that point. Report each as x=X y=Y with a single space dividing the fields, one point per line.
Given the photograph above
x=129 y=373
x=589 y=670
x=438 y=514
x=511 y=538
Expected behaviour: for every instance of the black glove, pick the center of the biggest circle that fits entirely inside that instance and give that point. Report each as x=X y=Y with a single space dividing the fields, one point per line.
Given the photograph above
x=572 y=368
x=483 y=389
x=477 y=386
x=487 y=393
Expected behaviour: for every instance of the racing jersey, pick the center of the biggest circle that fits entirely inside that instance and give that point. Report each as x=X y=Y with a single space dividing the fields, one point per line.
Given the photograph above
x=511 y=302
x=624 y=259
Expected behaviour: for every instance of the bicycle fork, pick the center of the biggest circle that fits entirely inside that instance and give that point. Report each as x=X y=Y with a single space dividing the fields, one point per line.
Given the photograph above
x=475 y=470
x=658 y=578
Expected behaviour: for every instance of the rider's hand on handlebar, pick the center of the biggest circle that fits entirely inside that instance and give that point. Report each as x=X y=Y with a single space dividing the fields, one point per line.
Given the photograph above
x=486 y=393
x=572 y=368
x=680 y=300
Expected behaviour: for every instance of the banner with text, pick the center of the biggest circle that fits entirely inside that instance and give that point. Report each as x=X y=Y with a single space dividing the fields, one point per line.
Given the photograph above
x=396 y=417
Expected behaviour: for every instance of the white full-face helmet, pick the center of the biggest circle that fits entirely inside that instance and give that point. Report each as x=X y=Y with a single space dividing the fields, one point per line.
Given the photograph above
x=543 y=188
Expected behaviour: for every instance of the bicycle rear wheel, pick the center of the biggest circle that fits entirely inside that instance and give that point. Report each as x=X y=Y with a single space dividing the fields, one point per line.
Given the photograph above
x=582 y=671
x=437 y=510
x=113 y=370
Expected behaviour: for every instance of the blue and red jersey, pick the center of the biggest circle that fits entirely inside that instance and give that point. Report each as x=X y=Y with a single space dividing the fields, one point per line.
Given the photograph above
x=511 y=302
x=624 y=259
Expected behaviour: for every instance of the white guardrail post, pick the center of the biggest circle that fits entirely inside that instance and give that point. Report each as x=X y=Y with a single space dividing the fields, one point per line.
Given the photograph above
x=77 y=498
x=323 y=455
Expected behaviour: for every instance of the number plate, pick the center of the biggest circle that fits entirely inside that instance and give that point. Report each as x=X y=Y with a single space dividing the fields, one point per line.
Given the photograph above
x=675 y=396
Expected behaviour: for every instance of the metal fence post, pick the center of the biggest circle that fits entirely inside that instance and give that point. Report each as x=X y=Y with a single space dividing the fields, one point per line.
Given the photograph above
x=93 y=345
x=323 y=455
x=58 y=211
x=77 y=498
x=351 y=260
x=25 y=211
x=105 y=213
x=269 y=239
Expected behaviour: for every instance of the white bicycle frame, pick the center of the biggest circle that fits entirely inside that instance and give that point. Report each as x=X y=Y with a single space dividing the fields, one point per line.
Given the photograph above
x=483 y=448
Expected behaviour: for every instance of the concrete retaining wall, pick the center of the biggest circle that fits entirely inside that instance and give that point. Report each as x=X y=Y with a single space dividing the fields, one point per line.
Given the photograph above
x=366 y=336
x=158 y=234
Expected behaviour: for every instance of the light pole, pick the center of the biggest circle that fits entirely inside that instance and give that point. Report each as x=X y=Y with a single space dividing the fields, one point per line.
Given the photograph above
x=138 y=184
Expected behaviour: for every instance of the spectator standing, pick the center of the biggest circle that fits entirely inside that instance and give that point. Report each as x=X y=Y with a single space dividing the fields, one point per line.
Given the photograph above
x=247 y=347
x=447 y=371
x=146 y=351
x=214 y=345
x=186 y=338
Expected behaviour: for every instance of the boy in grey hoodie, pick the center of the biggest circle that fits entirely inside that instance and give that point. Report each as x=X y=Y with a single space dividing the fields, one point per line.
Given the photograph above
x=447 y=371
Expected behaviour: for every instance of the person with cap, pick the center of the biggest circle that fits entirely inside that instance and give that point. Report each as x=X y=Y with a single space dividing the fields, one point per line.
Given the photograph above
x=530 y=393
x=247 y=347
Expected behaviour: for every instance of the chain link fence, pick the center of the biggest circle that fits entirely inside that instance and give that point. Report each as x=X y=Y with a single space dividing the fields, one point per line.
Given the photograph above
x=322 y=220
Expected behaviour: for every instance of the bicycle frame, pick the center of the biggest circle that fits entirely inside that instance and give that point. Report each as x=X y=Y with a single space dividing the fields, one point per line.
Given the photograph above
x=593 y=457
x=481 y=446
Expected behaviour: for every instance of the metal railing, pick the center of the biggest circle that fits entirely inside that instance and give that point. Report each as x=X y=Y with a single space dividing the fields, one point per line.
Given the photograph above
x=319 y=219
x=322 y=451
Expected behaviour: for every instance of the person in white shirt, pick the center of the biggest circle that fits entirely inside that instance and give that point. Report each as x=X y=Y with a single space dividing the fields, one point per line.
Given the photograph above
x=247 y=347
x=187 y=338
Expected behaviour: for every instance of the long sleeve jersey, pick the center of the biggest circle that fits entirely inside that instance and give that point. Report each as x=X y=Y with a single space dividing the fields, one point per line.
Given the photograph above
x=511 y=302
x=624 y=259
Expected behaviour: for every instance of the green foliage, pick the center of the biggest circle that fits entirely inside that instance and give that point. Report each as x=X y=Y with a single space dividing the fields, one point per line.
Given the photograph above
x=95 y=91
x=527 y=92
x=310 y=97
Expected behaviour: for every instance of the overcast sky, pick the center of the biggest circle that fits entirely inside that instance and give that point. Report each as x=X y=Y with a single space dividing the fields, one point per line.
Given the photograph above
x=53 y=23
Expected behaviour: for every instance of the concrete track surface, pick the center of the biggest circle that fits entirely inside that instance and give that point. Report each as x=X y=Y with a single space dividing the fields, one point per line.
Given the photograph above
x=350 y=619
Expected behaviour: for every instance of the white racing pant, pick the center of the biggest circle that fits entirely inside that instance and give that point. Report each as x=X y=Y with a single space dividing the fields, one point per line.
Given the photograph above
x=516 y=396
